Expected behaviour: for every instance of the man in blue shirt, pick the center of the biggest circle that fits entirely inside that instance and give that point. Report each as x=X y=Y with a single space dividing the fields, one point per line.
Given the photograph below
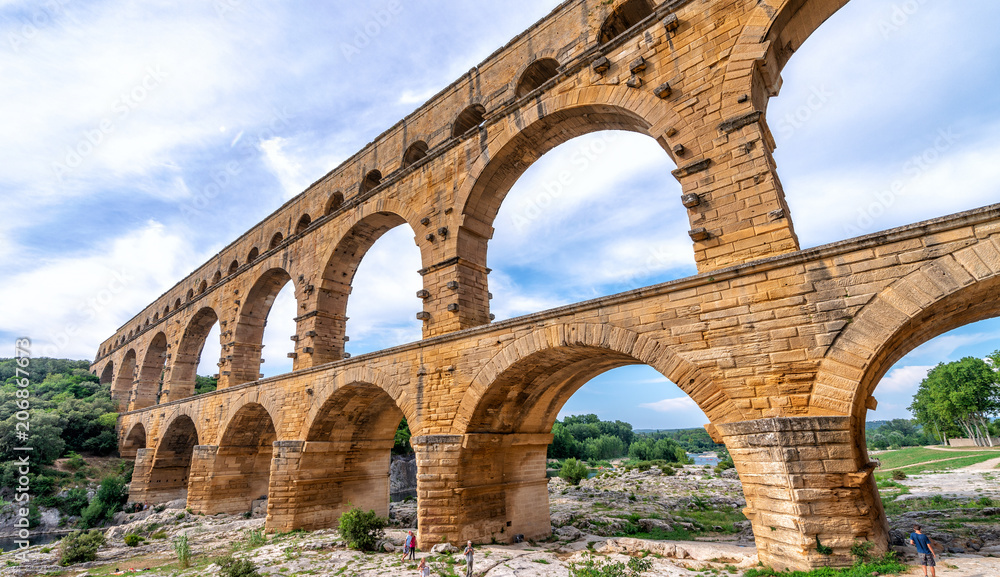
x=925 y=552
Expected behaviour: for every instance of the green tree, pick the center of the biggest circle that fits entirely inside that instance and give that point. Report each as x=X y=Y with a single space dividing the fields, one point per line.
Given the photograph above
x=960 y=395
x=574 y=471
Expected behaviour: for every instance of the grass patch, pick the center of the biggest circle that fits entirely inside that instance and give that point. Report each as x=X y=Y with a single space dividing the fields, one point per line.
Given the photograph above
x=887 y=565
x=918 y=455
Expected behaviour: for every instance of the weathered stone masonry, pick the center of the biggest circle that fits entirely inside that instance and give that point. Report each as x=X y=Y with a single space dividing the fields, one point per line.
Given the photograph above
x=780 y=347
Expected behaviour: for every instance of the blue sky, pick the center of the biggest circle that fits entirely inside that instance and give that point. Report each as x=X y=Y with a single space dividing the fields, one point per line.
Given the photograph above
x=140 y=138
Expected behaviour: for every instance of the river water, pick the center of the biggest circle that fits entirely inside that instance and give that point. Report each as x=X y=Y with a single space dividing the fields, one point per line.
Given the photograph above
x=10 y=543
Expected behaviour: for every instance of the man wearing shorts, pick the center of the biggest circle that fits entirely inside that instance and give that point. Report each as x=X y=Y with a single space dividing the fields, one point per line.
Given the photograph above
x=925 y=552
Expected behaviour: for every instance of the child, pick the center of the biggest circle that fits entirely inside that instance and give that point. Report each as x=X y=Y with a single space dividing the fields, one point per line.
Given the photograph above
x=925 y=551
x=425 y=570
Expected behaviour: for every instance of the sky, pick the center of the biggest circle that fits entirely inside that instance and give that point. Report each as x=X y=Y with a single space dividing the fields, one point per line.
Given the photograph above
x=140 y=138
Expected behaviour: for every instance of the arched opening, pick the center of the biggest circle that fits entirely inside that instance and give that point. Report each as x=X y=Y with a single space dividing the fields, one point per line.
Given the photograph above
x=108 y=374
x=233 y=267
x=303 y=224
x=383 y=306
x=254 y=253
x=146 y=324
x=243 y=463
x=589 y=181
x=147 y=388
x=892 y=171
x=415 y=153
x=535 y=75
x=166 y=310
x=216 y=277
x=183 y=376
x=202 y=287
x=156 y=316
x=275 y=241
x=251 y=320
x=964 y=347
x=468 y=119
x=171 y=469
x=346 y=458
x=962 y=307
x=190 y=295
x=122 y=389
x=510 y=423
x=177 y=304
x=372 y=180
x=627 y=15
x=135 y=440
x=334 y=203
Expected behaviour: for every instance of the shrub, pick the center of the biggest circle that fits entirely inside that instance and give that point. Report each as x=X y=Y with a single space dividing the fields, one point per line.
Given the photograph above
x=598 y=568
x=898 y=475
x=232 y=567
x=254 y=539
x=183 y=550
x=574 y=471
x=362 y=530
x=74 y=502
x=862 y=551
x=724 y=464
x=80 y=547
x=134 y=540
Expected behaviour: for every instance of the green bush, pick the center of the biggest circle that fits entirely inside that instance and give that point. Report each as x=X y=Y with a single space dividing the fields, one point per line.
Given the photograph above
x=80 y=547
x=134 y=540
x=232 y=567
x=600 y=568
x=183 y=550
x=898 y=475
x=74 y=502
x=574 y=471
x=362 y=530
x=111 y=495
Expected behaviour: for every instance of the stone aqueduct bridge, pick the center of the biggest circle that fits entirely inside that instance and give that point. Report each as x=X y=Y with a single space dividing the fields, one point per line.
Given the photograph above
x=780 y=347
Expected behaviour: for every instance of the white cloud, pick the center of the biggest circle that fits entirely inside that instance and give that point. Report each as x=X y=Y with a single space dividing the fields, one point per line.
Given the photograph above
x=903 y=379
x=69 y=304
x=675 y=405
x=944 y=347
x=383 y=304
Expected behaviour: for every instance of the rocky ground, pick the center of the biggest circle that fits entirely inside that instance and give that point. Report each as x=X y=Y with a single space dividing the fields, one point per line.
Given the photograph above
x=688 y=523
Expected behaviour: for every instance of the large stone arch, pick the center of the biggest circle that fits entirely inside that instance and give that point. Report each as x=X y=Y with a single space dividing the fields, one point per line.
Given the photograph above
x=324 y=332
x=164 y=475
x=505 y=418
x=121 y=391
x=344 y=458
x=944 y=294
x=133 y=441
x=108 y=373
x=147 y=386
x=550 y=120
x=581 y=352
x=230 y=477
x=183 y=371
x=248 y=335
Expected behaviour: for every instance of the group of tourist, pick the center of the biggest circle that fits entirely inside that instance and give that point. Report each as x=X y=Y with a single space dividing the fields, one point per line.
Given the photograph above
x=410 y=551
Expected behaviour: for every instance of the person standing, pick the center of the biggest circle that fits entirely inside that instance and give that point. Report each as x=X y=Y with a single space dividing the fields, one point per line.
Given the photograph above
x=925 y=550
x=409 y=546
x=425 y=570
x=469 y=555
